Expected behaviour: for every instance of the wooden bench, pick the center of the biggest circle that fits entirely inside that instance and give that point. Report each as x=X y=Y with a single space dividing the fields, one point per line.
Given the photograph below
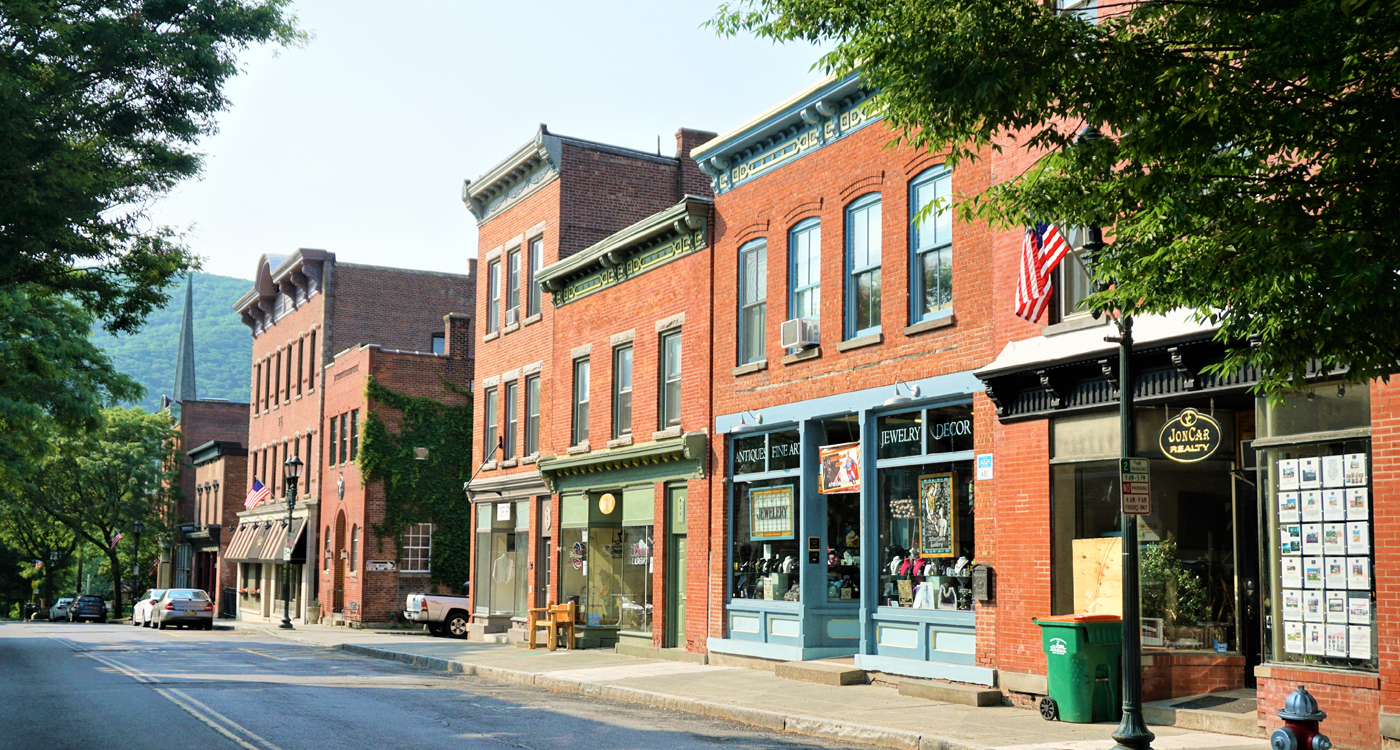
x=557 y=619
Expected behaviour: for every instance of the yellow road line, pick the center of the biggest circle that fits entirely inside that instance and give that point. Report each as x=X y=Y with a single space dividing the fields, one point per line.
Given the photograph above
x=185 y=704
x=259 y=653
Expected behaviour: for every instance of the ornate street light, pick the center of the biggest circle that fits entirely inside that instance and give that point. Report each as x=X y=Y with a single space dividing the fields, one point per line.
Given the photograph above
x=292 y=471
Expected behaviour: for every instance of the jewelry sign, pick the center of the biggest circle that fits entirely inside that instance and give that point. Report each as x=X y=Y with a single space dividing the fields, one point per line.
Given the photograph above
x=1190 y=436
x=772 y=513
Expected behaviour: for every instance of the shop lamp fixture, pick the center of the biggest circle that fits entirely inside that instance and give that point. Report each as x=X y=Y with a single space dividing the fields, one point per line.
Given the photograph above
x=745 y=426
x=900 y=400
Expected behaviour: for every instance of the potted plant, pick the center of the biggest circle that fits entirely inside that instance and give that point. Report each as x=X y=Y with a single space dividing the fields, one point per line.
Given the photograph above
x=313 y=610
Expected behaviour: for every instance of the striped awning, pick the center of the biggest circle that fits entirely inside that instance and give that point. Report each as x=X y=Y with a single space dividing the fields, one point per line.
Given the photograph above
x=278 y=540
x=242 y=542
x=265 y=541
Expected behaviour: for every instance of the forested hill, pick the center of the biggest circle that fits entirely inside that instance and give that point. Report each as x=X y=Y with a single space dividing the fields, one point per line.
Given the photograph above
x=223 y=346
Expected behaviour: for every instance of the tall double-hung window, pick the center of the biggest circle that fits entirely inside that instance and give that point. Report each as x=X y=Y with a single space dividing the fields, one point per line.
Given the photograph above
x=489 y=426
x=581 y=379
x=622 y=392
x=931 y=238
x=753 y=300
x=511 y=401
x=493 y=297
x=863 y=267
x=532 y=415
x=805 y=249
x=670 y=410
x=532 y=297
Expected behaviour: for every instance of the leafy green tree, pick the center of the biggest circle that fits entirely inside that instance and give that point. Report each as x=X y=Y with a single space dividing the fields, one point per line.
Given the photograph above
x=100 y=483
x=102 y=103
x=54 y=376
x=1246 y=171
x=36 y=536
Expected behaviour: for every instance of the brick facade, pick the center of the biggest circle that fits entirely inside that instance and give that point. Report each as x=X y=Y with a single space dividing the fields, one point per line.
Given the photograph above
x=220 y=474
x=573 y=194
x=305 y=309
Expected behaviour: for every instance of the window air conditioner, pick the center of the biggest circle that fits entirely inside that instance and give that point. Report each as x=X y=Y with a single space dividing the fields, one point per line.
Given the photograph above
x=800 y=333
x=512 y=316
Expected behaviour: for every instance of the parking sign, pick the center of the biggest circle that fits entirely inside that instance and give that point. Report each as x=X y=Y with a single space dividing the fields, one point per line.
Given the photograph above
x=1135 y=486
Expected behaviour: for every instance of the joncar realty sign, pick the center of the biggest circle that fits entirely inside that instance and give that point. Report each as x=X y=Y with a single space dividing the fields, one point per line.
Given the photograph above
x=1190 y=436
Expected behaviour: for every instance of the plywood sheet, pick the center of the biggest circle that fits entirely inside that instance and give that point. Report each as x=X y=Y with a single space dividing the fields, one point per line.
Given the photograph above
x=1098 y=575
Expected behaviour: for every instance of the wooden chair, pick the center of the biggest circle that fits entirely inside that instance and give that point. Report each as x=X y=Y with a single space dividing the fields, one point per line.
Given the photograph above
x=556 y=619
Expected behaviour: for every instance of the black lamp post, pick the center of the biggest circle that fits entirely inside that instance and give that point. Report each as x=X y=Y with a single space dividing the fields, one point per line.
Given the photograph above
x=1132 y=732
x=292 y=472
x=136 y=554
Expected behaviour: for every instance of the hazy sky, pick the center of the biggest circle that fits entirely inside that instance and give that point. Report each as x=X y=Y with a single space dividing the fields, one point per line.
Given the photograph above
x=358 y=143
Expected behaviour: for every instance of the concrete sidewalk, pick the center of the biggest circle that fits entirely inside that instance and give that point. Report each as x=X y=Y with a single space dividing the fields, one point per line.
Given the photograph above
x=872 y=714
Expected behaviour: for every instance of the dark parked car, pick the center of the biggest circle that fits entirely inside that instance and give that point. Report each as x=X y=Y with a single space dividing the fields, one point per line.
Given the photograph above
x=88 y=607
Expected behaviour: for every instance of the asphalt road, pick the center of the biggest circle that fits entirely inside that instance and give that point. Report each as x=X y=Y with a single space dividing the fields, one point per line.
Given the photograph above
x=95 y=686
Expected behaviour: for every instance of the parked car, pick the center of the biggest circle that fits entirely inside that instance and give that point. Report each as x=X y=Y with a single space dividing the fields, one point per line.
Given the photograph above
x=189 y=607
x=141 y=610
x=444 y=615
x=87 y=607
x=59 y=610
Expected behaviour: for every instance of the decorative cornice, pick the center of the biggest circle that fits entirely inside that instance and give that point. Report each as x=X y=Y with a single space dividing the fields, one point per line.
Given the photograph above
x=522 y=173
x=654 y=241
x=301 y=271
x=822 y=114
x=688 y=447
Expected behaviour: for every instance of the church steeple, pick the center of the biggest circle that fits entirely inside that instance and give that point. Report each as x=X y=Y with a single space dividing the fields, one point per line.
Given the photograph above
x=184 y=357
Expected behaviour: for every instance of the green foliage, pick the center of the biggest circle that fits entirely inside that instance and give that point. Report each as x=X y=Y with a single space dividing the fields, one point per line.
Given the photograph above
x=52 y=374
x=101 y=482
x=223 y=348
x=1170 y=591
x=1246 y=172
x=423 y=491
x=102 y=103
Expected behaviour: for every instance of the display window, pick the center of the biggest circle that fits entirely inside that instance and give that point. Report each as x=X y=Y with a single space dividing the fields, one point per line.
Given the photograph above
x=1187 y=558
x=925 y=517
x=606 y=557
x=502 y=544
x=765 y=559
x=1320 y=597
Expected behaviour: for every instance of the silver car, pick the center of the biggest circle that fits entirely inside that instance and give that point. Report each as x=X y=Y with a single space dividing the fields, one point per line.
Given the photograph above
x=59 y=610
x=189 y=607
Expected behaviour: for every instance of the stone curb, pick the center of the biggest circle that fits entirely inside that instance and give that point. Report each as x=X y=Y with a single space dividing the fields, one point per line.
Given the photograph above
x=811 y=726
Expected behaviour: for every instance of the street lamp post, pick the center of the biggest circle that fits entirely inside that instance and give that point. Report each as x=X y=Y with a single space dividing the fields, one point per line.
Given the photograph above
x=136 y=554
x=292 y=473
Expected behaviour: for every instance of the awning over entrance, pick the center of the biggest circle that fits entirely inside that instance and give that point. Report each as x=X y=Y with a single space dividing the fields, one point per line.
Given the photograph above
x=265 y=542
x=242 y=541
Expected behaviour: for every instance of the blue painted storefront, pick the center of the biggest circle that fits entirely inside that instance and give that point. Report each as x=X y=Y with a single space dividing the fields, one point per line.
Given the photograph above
x=930 y=643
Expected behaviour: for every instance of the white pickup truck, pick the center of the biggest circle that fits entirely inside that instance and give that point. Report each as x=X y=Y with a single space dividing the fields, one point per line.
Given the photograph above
x=445 y=615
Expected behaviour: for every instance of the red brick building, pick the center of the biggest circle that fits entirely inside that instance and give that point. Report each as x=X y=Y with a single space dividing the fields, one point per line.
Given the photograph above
x=220 y=474
x=568 y=212
x=305 y=308
x=365 y=575
x=847 y=414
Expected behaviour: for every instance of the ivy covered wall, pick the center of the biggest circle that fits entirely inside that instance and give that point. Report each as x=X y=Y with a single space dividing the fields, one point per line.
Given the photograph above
x=428 y=490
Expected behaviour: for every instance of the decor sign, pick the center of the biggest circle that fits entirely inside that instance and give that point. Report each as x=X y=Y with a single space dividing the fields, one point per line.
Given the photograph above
x=380 y=566
x=771 y=515
x=607 y=503
x=840 y=469
x=938 y=520
x=640 y=263
x=1190 y=436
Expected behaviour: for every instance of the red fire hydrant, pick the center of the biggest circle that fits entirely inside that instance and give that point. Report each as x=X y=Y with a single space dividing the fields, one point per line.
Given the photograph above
x=1300 y=716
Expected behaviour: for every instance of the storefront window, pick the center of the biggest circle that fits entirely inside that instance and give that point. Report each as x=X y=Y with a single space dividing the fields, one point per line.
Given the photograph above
x=501 y=553
x=1187 y=560
x=636 y=600
x=606 y=556
x=843 y=546
x=1320 y=597
x=766 y=560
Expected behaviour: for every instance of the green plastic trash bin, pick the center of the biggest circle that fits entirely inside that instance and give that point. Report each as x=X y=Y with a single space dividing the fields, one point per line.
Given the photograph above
x=1082 y=658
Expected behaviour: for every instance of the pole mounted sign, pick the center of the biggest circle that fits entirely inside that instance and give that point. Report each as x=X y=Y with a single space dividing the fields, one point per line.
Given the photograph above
x=1135 y=486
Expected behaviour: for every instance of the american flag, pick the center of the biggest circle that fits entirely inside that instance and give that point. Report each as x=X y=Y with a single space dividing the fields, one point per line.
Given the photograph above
x=1042 y=249
x=117 y=537
x=258 y=494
